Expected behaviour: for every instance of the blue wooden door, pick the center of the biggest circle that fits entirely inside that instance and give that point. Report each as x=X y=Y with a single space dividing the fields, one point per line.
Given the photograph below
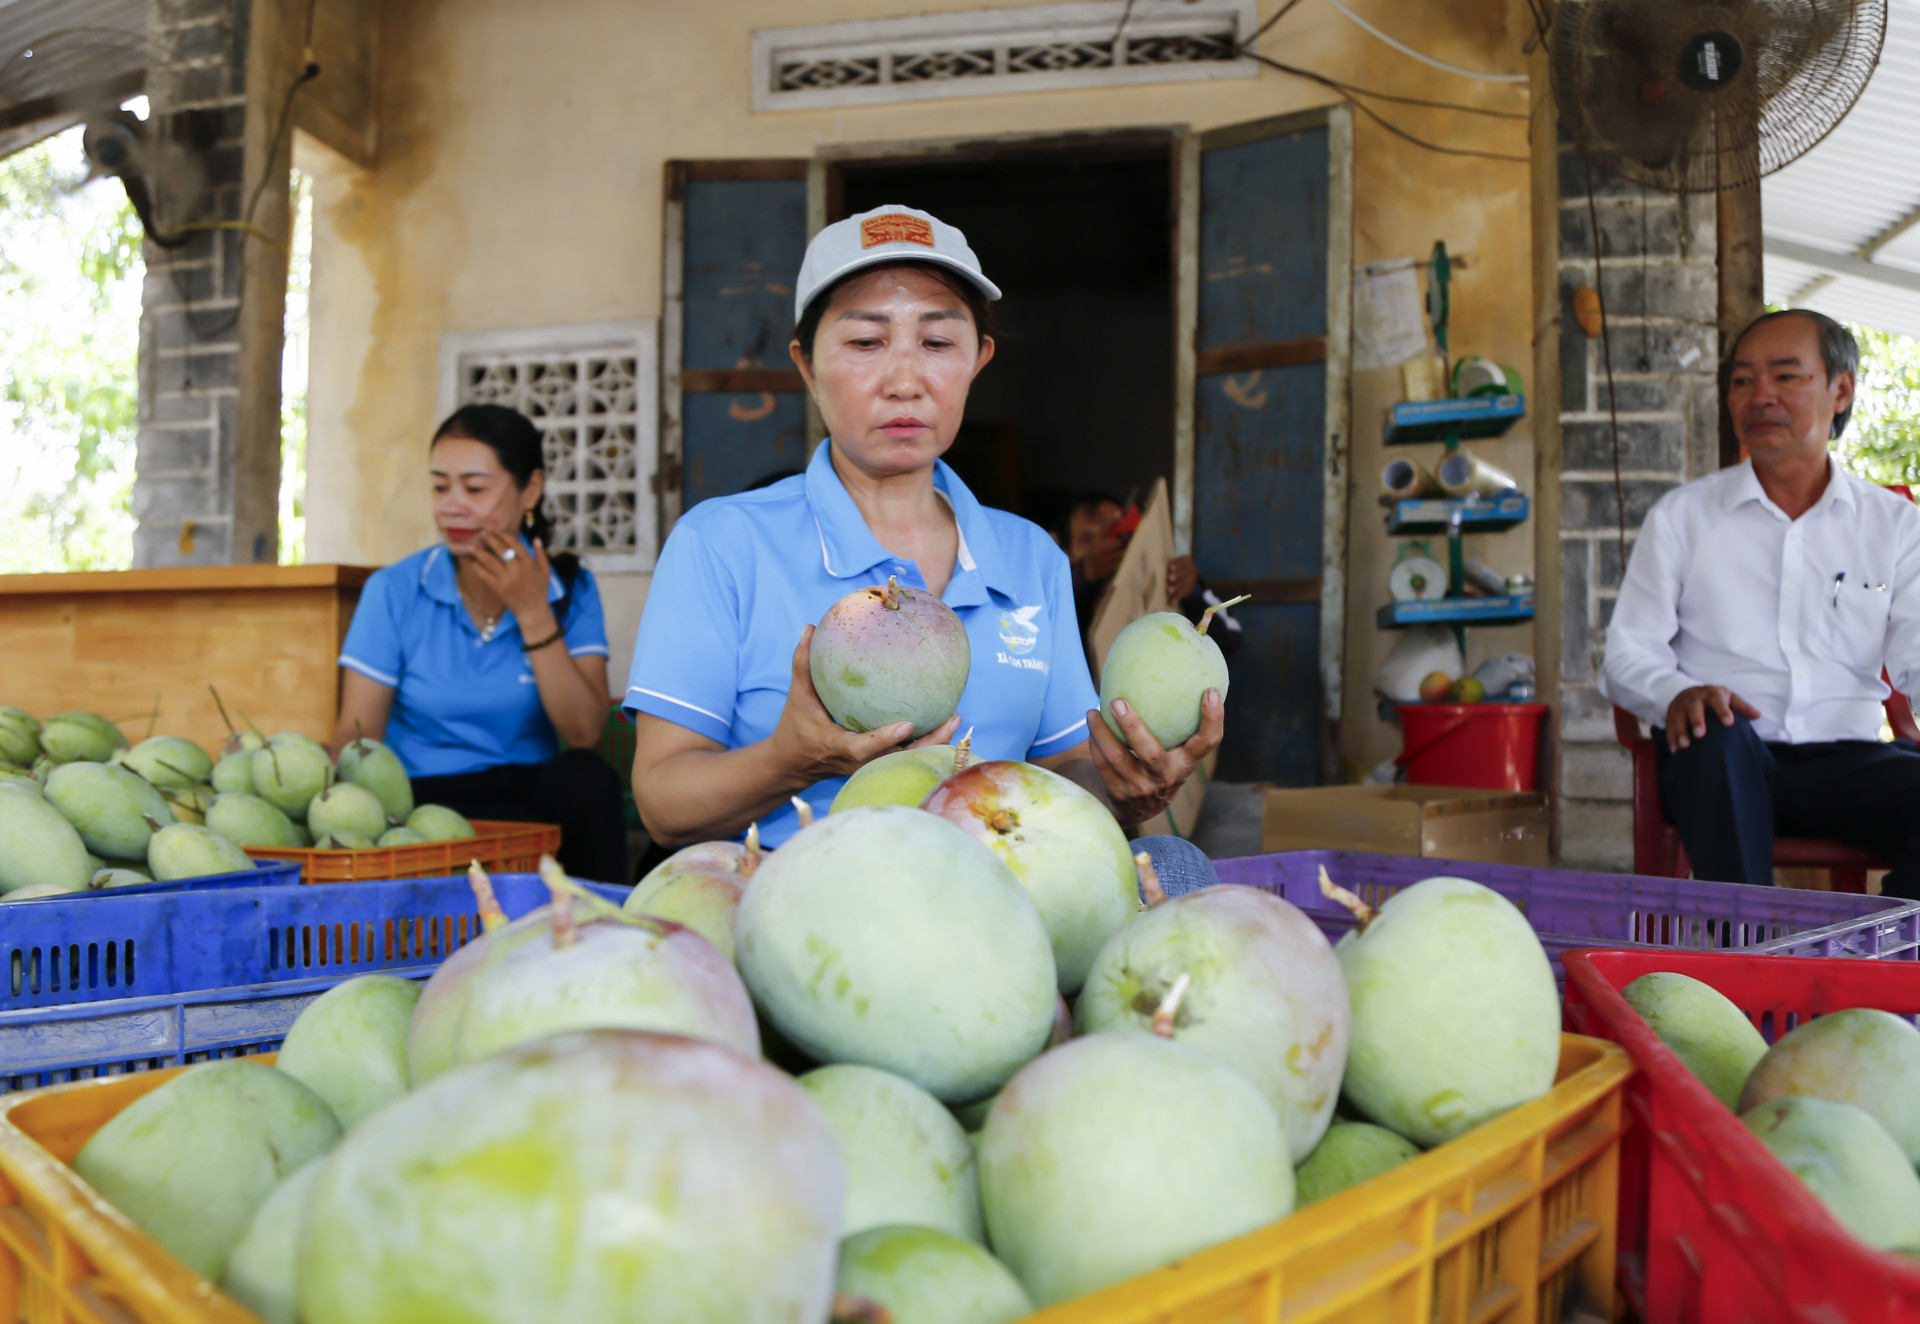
x=1260 y=431
x=742 y=405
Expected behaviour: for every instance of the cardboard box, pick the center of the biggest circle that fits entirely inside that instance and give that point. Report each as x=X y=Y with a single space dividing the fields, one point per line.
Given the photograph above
x=1439 y=822
x=1139 y=588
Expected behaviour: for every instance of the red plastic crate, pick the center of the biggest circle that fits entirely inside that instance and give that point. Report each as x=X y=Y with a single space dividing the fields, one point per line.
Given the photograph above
x=1713 y=1229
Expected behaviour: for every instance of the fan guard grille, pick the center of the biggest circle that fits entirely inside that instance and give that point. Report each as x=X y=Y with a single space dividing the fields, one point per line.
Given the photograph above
x=1616 y=79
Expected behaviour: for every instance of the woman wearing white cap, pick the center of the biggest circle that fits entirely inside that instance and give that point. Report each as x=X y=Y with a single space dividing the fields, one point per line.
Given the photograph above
x=894 y=323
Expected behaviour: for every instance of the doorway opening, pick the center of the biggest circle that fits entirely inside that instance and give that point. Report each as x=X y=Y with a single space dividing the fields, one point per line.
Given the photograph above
x=1080 y=396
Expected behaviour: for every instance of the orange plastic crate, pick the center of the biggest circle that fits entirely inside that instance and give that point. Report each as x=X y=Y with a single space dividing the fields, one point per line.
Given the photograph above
x=500 y=848
x=1514 y=1222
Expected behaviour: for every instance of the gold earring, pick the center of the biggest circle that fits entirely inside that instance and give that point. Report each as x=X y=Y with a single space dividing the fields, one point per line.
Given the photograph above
x=528 y=521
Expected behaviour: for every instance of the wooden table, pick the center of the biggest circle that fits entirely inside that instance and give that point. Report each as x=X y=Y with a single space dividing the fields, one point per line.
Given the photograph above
x=115 y=641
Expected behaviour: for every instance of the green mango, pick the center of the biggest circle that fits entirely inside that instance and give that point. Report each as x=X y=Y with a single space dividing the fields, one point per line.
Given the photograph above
x=233 y=774
x=247 y=820
x=1349 y=1153
x=192 y=1162
x=260 y=1271
x=342 y=840
x=371 y=764
x=350 y=1044
x=347 y=808
x=80 y=737
x=118 y=877
x=907 y=1159
x=400 y=836
x=289 y=771
x=168 y=761
x=18 y=778
x=185 y=850
x=921 y=1275
x=439 y=823
x=114 y=810
x=19 y=736
x=1712 y=1038
x=35 y=891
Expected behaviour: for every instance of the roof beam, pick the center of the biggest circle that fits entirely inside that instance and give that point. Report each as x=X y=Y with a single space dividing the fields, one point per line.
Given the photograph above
x=112 y=90
x=1842 y=264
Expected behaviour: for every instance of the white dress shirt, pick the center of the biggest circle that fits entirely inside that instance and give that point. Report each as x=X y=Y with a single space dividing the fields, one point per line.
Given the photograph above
x=1797 y=617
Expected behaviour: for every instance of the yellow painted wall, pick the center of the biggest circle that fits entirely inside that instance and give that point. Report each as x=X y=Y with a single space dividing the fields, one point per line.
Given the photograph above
x=517 y=182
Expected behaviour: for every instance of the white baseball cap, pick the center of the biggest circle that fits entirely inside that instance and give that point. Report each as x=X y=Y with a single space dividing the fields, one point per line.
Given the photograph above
x=880 y=236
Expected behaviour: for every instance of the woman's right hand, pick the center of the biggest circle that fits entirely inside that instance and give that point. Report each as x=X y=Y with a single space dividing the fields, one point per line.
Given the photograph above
x=810 y=746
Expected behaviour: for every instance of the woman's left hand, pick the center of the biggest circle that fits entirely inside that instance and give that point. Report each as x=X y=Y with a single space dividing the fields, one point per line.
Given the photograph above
x=1142 y=780
x=507 y=568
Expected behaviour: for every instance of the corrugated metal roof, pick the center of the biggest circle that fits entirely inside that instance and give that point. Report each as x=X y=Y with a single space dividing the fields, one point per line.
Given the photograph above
x=1860 y=181
x=122 y=24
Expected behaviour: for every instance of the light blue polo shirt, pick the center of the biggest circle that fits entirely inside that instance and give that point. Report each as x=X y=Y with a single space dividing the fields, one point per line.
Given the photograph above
x=742 y=576
x=461 y=703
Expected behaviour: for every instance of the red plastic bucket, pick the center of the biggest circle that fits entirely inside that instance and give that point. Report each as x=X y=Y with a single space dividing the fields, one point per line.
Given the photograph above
x=1490 y=746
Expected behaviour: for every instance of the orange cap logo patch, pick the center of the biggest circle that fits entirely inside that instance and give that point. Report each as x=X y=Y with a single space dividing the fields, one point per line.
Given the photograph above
x=895 y=228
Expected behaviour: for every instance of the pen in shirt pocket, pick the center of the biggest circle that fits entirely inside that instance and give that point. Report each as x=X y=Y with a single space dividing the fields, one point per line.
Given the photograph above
x=1840 y=579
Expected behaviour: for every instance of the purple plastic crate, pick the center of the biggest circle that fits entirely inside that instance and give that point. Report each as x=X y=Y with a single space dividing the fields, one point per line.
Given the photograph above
x=1570 y=910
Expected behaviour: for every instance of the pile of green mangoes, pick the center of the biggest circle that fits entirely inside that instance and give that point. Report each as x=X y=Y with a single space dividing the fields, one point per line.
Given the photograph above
x=852 y=1082
x=1836 y=1099
x=81 y=808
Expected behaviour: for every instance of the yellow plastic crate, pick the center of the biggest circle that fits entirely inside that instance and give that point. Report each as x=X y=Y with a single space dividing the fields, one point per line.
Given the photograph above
x=1514 y=1222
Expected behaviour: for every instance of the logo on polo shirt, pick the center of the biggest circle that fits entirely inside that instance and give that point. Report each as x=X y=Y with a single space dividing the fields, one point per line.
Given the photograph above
x=895 y=228
x=1017 y=630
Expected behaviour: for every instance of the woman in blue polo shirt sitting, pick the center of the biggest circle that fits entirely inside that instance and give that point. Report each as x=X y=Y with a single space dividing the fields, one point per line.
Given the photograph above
x=893 y=326
x=483 y=662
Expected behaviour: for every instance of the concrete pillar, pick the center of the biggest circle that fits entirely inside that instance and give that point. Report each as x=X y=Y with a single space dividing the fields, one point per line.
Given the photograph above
x=206 y=488
x=1657 y=276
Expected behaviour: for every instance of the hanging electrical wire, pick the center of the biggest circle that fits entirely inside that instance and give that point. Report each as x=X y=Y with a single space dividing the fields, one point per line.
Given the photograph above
x=1352 y=95
x=1413 y=54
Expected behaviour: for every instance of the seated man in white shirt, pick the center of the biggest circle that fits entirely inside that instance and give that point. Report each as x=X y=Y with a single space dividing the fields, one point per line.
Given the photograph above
x=1758 y=608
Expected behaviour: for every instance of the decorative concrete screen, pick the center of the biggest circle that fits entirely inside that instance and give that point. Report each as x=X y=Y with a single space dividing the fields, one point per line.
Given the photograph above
x=592 y=390
x=1022 y=49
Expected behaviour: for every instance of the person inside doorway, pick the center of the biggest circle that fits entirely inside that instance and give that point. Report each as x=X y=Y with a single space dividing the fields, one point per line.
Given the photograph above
x=1094 y=549
x=1759 y=607
x=893 y=325
x=482 y=660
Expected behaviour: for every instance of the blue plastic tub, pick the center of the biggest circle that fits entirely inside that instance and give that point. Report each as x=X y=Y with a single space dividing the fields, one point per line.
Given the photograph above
x=264 y=873
x=1570 y=910
x=196 y=975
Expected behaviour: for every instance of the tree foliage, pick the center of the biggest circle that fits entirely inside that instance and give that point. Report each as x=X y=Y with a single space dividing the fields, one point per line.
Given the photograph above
x=70 y=275
x=1882 y=442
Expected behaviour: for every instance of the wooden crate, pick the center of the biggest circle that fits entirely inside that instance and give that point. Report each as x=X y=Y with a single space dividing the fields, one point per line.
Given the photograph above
x=268 y=636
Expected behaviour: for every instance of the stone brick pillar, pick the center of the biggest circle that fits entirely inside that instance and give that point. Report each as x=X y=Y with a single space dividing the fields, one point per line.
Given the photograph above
x=206 y=490
x=1657 y=277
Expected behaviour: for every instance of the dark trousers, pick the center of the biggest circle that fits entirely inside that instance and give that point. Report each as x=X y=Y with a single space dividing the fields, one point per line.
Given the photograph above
x=578 y=792
x=1730 y=793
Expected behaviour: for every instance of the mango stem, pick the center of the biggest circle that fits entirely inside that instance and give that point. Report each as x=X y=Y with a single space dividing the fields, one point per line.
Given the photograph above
x=751 y=860
x=1151 y=893
x=223 y=710
x=1336 y=893
x=565 y=932
x=491 y=916
x=1169 y=1008
x=804 y=810
x=963 y=752
x=891 y=599
x=1206 y=617
x=850 y=1309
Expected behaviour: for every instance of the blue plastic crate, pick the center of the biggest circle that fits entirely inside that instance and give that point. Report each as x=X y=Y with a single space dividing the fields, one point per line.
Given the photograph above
x=285 y=948
x=185 y=942
x=264 y=873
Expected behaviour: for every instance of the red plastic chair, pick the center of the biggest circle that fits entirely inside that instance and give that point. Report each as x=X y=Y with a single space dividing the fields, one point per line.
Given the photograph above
x=1657 y=851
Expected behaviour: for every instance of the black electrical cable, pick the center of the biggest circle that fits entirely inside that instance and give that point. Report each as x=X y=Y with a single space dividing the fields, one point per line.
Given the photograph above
x=1606 y=352
x=1352 y=94
x=285 y=121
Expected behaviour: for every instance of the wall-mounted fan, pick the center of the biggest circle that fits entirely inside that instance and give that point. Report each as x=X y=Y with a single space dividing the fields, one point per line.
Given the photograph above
x=84 y=75
x=1699 y=96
